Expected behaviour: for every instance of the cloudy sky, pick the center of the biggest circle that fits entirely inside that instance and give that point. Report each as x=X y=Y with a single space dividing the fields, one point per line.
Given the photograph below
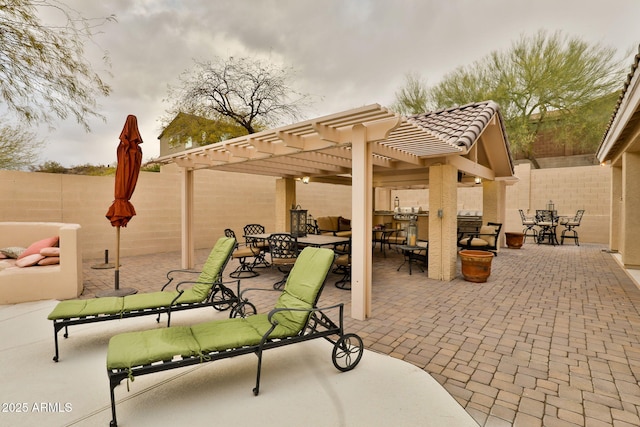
x=346 y=53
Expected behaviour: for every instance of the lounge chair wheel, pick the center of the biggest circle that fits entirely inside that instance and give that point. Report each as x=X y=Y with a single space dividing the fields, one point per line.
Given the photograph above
x=243 y=309
x=347 y=352
x=221 y=298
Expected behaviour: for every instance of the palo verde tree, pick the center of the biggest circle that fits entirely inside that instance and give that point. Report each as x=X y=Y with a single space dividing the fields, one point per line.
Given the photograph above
x=19 y=148
x=249 y=92
x=542 y=82
x=43 y=71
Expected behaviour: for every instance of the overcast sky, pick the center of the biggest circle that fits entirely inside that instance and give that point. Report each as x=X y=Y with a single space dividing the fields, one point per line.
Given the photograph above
x=345 y=53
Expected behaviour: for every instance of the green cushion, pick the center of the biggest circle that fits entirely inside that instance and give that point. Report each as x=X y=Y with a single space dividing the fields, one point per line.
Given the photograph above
x=89 y=307
x=140 y=348
x=216 y=260
x=148 y=300
x=220 y=335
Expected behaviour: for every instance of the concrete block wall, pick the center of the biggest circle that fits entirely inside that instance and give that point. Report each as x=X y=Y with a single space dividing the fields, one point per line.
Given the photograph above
x=231 y=200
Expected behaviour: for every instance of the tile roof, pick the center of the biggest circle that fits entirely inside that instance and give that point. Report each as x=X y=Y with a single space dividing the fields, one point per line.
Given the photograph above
x=459 y=126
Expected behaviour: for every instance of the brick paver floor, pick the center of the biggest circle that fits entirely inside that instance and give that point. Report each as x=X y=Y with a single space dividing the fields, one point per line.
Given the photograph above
x=552 y=338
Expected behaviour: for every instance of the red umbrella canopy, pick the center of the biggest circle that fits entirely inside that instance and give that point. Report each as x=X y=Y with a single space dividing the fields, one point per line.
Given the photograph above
x=127 y=171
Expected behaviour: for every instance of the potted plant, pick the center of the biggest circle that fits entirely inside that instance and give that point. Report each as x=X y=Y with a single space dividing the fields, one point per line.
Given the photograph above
x=476 y=265
x=514 y=239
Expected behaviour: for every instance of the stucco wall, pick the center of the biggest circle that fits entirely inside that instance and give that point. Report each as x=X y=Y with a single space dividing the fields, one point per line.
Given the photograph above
x=232 y=200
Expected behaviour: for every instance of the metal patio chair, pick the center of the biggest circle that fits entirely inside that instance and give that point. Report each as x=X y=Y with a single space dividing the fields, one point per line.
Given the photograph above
x=283 y=248
x=528 y=222
x=570 y=226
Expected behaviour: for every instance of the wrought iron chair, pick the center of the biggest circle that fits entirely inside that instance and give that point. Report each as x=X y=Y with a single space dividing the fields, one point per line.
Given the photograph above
x=343 y=265
x=570 y=226
x=283 y=248
x=528 y=223
x=262 y=244
x=246 y=254
x=547 y=221
x=486 y=239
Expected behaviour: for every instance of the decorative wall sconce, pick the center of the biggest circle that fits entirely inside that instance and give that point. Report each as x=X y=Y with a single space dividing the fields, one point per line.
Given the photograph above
x=478 y=180
x=305 y=179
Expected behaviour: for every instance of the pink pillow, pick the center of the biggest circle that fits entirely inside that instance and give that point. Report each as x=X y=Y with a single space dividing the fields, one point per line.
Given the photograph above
x=35 y=247
x=50 y=251
x=50 y=260
x=3 y=256
x=29 y=260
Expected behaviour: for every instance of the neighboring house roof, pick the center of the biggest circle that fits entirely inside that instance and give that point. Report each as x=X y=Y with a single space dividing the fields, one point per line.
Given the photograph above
x=621 y=133
x=472 y=137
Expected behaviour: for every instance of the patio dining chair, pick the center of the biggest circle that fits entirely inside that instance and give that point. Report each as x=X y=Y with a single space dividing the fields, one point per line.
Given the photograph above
x=246 y=254
x=570 y=225
x=343 y=265
x=528 y=222
x=249 y=229
x=547 y=221
x=283 y=248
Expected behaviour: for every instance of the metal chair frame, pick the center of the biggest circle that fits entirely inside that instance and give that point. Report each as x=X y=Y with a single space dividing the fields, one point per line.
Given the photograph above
x=570 y=227
x=547 y=221
x=528 y=223
x=261 y=260
x=246 y=269
x=283 y=248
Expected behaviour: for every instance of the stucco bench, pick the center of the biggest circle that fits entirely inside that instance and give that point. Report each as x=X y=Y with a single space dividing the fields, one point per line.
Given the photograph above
x=60 y=281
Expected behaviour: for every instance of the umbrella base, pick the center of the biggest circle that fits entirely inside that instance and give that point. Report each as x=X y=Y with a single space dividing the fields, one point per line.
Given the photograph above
x=103 y=266
x=117 y=293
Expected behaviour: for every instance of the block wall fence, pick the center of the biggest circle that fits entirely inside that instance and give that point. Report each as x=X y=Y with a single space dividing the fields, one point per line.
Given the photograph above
x=231 y=200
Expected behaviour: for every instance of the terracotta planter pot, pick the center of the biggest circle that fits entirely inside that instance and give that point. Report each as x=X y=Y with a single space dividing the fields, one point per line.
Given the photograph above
x=476 y=265
x=514 y=239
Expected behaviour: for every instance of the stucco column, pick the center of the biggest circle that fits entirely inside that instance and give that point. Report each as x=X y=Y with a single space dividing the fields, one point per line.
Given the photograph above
x=443 y=221
x=615 y=209
x=630 y=208
x=285 y=200
x=361 y=223
x=494 y=196
x=188 y=243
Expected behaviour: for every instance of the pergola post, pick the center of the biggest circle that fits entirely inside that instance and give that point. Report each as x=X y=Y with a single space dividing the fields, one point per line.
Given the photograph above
x=443 y=221
x=630 y=207
x=615 y=210
x=188 y=244
x=494 y=195
x=285 y=199
x=361 y=223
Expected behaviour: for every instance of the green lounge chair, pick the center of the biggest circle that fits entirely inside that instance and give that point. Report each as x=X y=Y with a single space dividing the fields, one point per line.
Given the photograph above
x=208 y=289
x=294 y=319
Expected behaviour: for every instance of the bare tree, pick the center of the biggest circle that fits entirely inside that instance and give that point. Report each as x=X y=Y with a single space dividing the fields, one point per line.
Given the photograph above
x=43 y=71
x=250 y=92
x=19 y=148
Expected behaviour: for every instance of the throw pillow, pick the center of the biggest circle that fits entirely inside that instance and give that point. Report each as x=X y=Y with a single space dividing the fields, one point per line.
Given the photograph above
x=50 y=260
x=50 y=251
x=3 y=256
x=344 y=224
x=487 y=232
x=35 y=247
x=29 y=260
x=13 y=251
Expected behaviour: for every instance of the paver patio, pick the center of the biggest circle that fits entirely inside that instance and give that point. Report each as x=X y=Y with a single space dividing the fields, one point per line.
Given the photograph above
x=552 y=339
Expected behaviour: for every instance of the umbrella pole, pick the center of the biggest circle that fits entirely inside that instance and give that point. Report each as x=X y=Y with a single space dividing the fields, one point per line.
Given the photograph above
x=117 y=275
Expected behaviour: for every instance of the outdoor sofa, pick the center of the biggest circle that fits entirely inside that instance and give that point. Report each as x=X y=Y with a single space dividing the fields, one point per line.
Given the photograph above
x=207 y=290
x=295 y=318
x=334 y=225
x=40 y=282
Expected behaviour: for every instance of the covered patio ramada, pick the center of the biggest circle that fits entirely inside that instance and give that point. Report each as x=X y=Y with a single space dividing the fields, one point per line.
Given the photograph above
x=371 y=148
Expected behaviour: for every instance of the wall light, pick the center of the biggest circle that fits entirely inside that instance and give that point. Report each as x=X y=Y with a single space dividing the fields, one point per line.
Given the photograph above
x=305 y=179
x=478 y=180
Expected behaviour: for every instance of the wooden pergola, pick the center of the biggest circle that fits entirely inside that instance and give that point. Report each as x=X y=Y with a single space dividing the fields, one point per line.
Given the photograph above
x=371 y=147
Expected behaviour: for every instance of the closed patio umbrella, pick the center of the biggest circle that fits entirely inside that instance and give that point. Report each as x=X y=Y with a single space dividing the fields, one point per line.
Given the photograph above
x=121 y=210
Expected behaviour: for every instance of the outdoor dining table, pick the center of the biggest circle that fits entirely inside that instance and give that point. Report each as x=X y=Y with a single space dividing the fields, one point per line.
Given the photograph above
x=382 y=235
x=412 y=254
x=316 y=240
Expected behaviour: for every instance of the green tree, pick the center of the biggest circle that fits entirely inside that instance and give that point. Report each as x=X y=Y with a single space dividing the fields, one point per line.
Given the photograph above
x=541 y=77
x=413 y=98
x=19 y=148
x=251 y=93
x=43 y=71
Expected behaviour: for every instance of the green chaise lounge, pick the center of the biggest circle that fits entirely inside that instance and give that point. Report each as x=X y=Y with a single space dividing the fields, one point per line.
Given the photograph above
x=208 y=289
x=294 y=319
